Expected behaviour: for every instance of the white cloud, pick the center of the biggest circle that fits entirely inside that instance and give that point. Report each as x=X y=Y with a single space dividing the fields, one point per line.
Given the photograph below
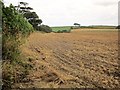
x=106 y=2
x=66 y=12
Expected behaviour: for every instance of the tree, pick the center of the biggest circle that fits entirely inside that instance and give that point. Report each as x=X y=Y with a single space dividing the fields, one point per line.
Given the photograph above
x=118 y=27
x=77 y=24
x=32 y=17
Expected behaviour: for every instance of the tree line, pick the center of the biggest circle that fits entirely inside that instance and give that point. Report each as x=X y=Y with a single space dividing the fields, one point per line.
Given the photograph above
x=32 y=17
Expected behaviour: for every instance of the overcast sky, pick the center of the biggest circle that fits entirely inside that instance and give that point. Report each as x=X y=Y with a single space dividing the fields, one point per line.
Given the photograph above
x=67 y=12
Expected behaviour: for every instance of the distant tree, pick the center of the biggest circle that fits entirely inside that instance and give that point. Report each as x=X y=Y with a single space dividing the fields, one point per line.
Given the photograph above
x=118 y=27
x=77 y=24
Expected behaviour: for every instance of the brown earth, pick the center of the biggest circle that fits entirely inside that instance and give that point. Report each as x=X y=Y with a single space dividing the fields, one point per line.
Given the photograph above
x=82 y=59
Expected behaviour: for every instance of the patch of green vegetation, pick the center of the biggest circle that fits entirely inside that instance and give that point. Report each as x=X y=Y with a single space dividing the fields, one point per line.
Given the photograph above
x=45 y=28
x=61 y=29
x=15 y=27
x=99 y=30
x=98 y=27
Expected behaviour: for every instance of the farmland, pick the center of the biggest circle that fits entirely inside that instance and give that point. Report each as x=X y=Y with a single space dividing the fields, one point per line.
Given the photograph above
x=36 y=55
x=61 y=28
x=84 y=58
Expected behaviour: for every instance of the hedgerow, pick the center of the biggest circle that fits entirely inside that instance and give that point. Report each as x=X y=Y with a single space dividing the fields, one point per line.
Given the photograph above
x=15 y=27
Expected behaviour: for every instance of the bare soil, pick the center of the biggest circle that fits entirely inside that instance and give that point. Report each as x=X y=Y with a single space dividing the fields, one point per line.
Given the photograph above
x=80 y=59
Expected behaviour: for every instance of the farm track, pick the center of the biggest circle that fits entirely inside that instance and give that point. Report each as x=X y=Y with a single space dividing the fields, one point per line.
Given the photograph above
x=82 y=59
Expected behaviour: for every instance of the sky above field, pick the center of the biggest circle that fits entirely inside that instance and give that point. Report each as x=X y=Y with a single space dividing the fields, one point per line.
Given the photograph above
x=68 y=12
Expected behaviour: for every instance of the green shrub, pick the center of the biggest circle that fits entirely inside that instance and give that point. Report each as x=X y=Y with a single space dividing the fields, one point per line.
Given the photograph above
x=15 y=27
x=14 y=23
x=45 y=28
x=118 y=27
x=63 y=31
x=61 y=28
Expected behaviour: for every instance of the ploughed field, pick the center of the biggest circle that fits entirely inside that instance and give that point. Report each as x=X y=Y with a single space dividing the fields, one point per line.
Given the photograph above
x=84 y=58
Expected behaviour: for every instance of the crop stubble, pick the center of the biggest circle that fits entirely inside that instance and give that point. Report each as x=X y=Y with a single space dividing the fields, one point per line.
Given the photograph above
x=84 y=59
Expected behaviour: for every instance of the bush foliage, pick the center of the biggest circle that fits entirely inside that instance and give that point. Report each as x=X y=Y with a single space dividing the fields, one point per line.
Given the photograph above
x=14 y=22
x=63 y=31
x=118 y=27
x=15 y=27
x=45 y=28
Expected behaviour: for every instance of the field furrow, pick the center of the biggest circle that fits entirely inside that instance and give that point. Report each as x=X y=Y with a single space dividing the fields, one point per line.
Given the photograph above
x=77 y=59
